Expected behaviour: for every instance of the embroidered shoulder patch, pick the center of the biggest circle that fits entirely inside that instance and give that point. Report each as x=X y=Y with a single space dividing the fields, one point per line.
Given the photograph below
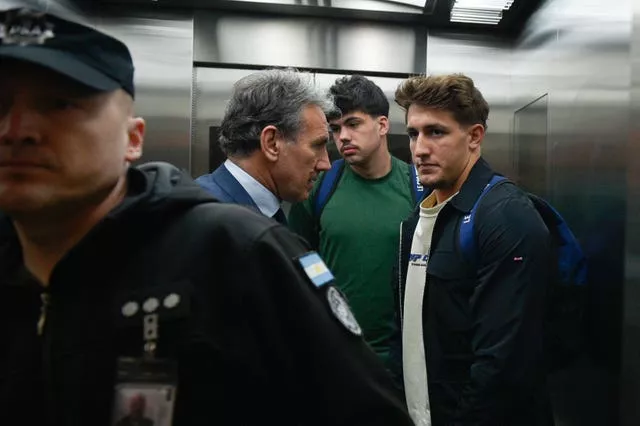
x=315 y=269
x=342 y=312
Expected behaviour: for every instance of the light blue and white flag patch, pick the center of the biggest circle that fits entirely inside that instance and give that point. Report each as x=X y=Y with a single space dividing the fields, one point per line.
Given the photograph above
x=315 y=269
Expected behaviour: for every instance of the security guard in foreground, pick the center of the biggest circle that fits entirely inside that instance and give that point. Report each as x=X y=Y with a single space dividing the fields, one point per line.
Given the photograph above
x=121 y=283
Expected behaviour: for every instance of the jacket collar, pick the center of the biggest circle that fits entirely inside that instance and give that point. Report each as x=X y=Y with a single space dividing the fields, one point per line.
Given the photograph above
x=479 y=176
x=234 y=189
x=263 y=198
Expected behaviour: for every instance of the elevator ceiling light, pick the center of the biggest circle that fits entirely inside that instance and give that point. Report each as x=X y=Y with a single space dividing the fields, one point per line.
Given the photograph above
x=479 y=11
x=416 y=3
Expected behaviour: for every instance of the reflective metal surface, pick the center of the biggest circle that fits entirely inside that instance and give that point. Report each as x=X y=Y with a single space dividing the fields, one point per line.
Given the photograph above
x=7 y=4
x=530 y=146
x=308 y=43
x=161 y=46
x=66 y=8
x=577 y=52
x=63 y=7
x=630 y=377
x=401 y=6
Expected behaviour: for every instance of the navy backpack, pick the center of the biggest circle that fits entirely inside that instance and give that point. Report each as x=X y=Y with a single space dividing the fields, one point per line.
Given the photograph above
x=564 y=333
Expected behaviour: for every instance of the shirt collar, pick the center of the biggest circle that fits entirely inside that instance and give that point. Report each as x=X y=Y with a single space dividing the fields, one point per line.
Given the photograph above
x=480 y=174
x=266 y=201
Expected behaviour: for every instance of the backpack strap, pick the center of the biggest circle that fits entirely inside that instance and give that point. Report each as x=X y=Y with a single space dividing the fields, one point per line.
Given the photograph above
x=467 y=239
x=328 y=184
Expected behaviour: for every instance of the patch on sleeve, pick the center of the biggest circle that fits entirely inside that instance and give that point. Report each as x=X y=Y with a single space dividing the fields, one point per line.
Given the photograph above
x=342 y=312
x=315 y=269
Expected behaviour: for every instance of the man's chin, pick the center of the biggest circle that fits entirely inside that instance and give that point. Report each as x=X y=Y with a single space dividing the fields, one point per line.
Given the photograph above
x=427 y=180
x=353 y=159
x=433 y=182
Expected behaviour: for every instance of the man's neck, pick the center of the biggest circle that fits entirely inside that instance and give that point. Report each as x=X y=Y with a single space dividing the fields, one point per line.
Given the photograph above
x=444 y=194
x=256 y=171
x=46 y=238
x=379 y=165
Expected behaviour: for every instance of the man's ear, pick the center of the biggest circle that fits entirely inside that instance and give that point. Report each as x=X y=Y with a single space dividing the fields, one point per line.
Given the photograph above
x=270 y=143
x=476 y=133
x=383 y=122
x=136 y=130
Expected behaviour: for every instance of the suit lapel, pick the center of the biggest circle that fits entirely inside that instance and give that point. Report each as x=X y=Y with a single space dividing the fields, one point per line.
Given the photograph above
x=232 y=187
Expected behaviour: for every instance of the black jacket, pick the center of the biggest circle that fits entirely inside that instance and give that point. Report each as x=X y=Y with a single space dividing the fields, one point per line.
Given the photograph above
x=256 y=342
x=483 y=326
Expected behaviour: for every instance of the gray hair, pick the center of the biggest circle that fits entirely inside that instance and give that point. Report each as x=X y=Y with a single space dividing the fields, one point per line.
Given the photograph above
x=270 y=97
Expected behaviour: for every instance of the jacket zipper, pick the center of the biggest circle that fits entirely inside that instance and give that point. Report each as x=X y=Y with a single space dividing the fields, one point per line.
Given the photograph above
x=46 y=301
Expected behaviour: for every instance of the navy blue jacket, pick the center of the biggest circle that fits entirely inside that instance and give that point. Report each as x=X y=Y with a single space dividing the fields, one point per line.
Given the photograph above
x=482 y=324
x=226 y=188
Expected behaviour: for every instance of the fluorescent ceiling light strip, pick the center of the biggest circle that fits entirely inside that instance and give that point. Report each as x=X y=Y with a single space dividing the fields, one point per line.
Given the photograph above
x=477 y=18
x=495 y=10
x=477 y=12
x=476 y=9
x=471 y=16
x=483 y=4
x=469 y=9
x=481 y=23
x=475 y=21
x=487 y=18
x=416 y=3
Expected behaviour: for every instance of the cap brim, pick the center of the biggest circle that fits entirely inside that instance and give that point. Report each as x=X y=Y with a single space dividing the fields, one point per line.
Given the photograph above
x=61 y=63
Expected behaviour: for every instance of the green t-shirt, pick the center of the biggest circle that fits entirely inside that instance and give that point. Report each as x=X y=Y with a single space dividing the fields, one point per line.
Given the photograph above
x=359 y=234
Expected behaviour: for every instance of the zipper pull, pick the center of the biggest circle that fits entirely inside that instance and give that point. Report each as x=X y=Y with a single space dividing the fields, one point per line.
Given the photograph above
x=45 y=297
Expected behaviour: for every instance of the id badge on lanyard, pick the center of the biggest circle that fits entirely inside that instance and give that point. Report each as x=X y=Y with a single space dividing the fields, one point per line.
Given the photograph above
x=145 y=390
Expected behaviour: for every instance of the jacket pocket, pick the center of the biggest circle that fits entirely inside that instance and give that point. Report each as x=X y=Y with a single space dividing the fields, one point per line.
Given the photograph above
x=450 y=289
x=451 y=325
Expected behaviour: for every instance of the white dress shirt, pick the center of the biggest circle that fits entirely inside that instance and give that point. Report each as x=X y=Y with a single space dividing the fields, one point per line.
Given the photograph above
x=266 y=201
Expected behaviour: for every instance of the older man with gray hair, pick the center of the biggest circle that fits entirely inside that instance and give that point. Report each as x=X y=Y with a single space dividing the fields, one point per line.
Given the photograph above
x=274 y=134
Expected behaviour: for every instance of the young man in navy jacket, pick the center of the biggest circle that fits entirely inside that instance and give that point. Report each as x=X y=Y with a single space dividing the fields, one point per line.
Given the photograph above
x=471 y=328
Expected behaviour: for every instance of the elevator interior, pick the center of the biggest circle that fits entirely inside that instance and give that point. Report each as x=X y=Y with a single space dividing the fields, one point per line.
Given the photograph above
x=562 y=86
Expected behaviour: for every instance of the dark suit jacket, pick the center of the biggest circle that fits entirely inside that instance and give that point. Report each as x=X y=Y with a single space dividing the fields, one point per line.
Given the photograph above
x=222 y=185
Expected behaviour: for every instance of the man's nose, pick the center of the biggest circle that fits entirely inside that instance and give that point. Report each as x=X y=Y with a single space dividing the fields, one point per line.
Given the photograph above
x=422 y=147
x=324 y=163
x=17 y=125
x=344 y=135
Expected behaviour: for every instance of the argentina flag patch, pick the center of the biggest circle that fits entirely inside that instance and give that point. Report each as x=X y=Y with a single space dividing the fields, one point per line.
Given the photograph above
x=315 y=269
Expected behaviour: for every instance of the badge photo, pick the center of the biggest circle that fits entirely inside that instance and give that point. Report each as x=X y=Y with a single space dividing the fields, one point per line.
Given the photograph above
x=143 y=404
x=145 y=392
x=342 y=312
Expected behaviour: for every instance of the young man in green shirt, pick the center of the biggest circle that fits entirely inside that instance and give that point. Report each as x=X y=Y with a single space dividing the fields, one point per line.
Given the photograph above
x=356 y=231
